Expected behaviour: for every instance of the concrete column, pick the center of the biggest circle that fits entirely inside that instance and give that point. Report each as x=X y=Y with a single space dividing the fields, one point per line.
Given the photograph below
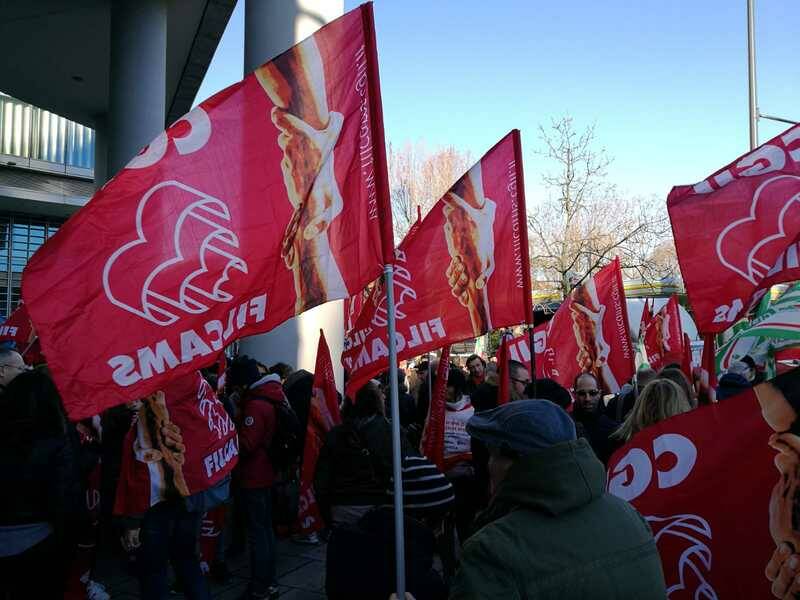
x=137 y=88
x=100 y=151
x=271 y=27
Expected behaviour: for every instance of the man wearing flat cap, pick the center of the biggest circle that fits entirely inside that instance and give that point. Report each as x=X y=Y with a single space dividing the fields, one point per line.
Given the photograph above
x=551 y=530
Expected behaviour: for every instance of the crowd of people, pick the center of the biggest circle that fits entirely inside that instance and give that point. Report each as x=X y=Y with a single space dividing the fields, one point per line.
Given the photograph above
x=519 y=479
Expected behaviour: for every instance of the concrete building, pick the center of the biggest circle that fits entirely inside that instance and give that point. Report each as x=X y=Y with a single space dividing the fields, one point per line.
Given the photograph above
x=87 y=83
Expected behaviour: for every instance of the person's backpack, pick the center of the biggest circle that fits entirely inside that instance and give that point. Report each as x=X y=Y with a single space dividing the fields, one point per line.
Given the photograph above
x=285 y=448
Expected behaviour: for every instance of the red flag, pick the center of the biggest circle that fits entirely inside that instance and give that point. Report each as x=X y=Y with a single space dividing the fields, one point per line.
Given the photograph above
x=152 y=470
x=323 y=414
x=708 y=368
x=686 y=363
x=519 y=347
x=588 y=333
x=432 y=445
x=265 y=200
x=222 y=367
x=503 y=375
x=647 y=316
x=697 y=479
x=462 y=272
x=752 y=240
x=18 y=329
x=663 y=337
x=210 y=531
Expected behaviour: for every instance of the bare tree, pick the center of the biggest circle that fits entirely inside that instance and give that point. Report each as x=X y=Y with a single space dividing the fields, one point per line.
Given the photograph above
x=585 y=222
x=418 y=178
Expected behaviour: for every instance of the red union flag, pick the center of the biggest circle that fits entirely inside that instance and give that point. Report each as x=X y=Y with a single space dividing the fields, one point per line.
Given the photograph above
x=461 y=272
x=323 y=414
x=432 y=444
x=697 y=478
x=18 y=329
x=588 y=334
x=663 y=336
x=264 y=201
x=751 y=240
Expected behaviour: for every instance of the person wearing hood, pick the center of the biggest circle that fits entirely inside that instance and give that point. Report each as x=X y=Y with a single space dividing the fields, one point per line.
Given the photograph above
x=259 y=394
x=551 y=530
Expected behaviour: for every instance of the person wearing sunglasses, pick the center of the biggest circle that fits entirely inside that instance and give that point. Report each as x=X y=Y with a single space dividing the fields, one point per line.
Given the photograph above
x=587 y=393
x=590 y=420
x=520 y=378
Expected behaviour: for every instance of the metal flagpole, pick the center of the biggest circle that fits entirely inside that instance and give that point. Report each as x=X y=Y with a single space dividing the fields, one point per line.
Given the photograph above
x=533 y=359
x=429 y=379
x=399 y=530
x=751 y=74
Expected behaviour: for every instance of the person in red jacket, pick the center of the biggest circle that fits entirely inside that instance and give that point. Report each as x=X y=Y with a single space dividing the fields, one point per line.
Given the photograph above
x=258 y=419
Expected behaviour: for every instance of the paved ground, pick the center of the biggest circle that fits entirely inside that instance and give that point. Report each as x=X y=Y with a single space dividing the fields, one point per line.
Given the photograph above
x=301 y=575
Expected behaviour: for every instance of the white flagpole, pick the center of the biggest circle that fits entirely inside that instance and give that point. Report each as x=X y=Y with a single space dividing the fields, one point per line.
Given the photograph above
x=399 y=531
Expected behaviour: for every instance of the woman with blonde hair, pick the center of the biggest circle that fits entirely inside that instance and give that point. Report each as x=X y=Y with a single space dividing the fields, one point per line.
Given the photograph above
x=659 y=400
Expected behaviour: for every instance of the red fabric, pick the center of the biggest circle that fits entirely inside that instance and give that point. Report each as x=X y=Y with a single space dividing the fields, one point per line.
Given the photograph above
x=210 y=529
x=432 y=444
x=202 y=238
x=222 y=366
x=703 y=480
x=647 y=316
x=708 y=368
x=323 y=414
x=477 y=229
x=256 y=428
x=686 y=363
x=208 y=433
x=663 y=337
x=751 y=242
x=566 y=347
x=503 y=375
x=17 y=328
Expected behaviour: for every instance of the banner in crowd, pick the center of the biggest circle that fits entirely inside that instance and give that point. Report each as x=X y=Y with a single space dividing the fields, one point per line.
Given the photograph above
x=503 y=375
x=776 y=327
x=753 y=239
x=461 y=273
x=663 y=336
x=708 y=371
x=588 y=334
x=698 y=477
x=432 y=445
x=265 y=200
x=323 y=414
x=18 y=329
x=647 y=316
x=686 y=359
x=153 y=467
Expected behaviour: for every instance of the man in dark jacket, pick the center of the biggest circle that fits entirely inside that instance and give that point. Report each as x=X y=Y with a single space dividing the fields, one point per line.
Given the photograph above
x=42 y=505
x=551 y=530
x=591 y=422
x=259 y=395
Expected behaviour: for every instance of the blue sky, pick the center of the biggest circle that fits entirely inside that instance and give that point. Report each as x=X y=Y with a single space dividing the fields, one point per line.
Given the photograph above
x=665 y=83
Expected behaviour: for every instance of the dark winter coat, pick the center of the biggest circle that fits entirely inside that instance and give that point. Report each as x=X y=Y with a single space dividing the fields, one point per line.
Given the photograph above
x=551 y=531
x=256 y=429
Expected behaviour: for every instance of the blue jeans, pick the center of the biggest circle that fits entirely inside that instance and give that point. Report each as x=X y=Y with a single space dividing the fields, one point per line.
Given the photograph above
x=170 y=534
x=260 y=539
